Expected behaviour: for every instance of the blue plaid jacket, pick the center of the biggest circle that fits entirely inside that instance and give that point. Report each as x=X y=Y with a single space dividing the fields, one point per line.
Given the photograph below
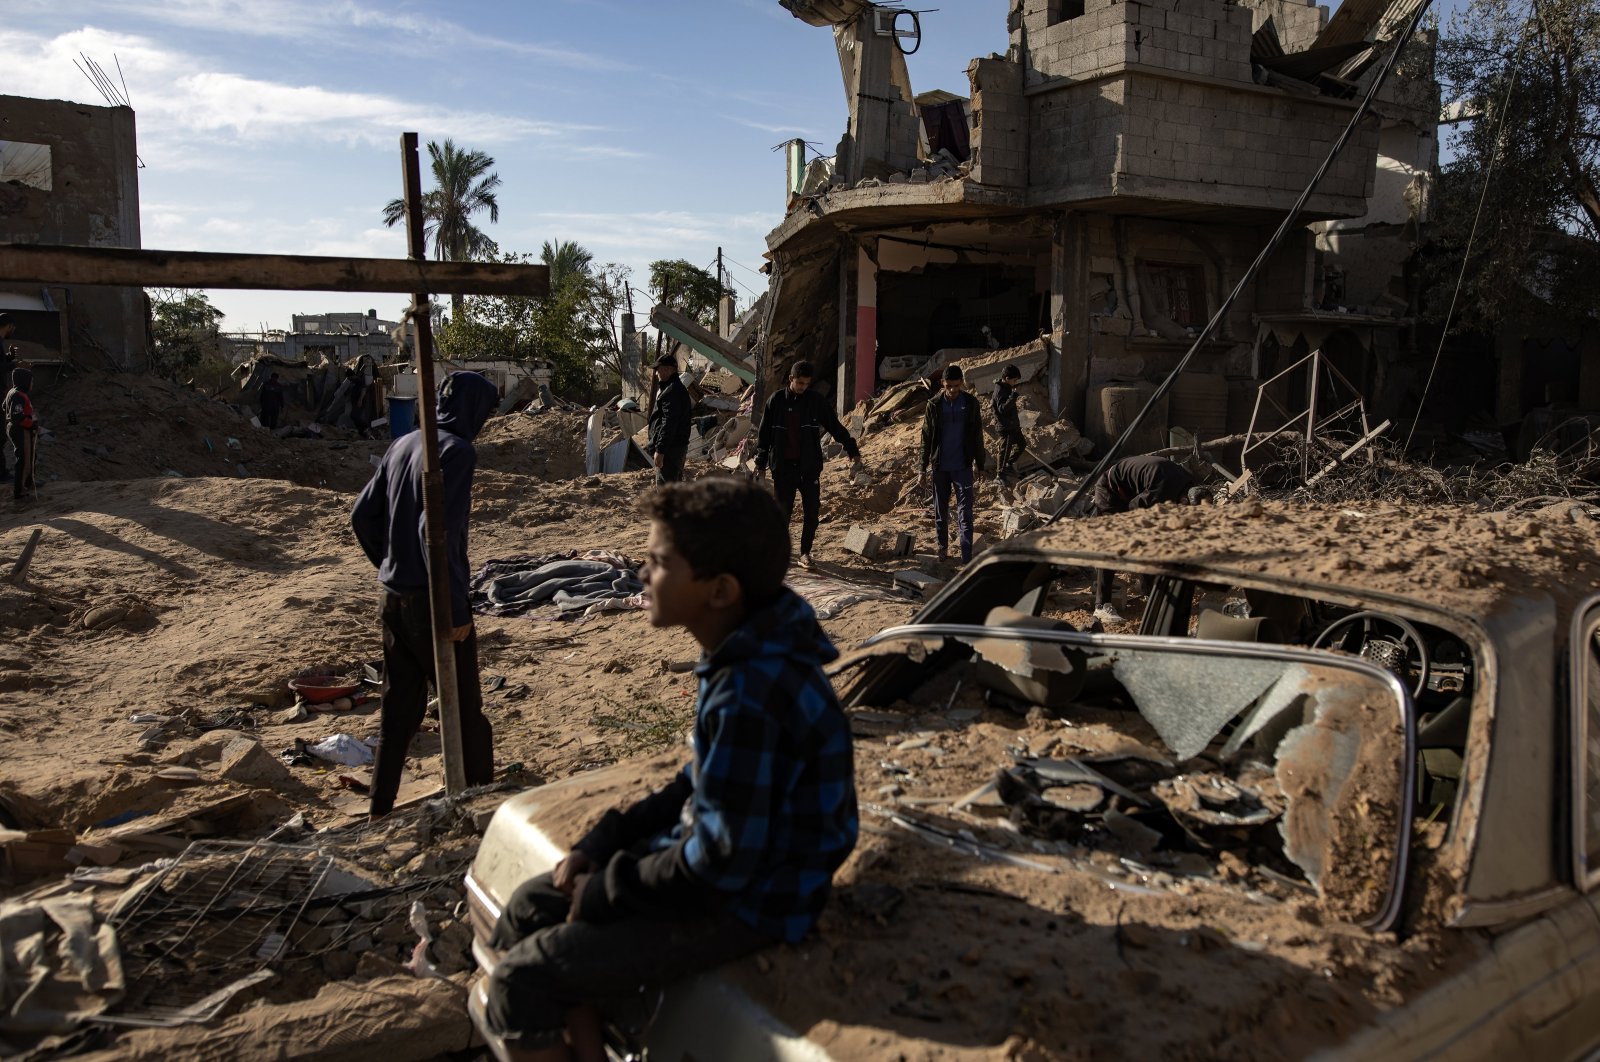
x=767 y=808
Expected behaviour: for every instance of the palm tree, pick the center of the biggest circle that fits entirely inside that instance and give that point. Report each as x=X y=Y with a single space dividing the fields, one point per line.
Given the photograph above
x=567 y=261
x=465 y=187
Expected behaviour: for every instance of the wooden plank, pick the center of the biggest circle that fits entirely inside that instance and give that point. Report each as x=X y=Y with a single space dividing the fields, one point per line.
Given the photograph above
x=129 y=267
x=688 y=331
x=20 y=568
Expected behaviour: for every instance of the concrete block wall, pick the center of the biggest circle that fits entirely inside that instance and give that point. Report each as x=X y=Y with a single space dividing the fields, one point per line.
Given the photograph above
x=93 y=201
x=1074 y=140
x=1122 y=347
x=999 y=123
x=1240 y=142
x=1207 y=38
x=1297 y=21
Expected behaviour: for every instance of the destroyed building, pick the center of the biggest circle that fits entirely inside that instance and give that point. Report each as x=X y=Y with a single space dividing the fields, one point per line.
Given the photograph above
x=1109 y=181
x=69 y=175
x=339 y=336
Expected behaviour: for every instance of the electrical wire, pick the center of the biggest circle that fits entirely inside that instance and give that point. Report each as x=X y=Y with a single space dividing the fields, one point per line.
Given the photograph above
x=1077 y=496
x=1466 y=255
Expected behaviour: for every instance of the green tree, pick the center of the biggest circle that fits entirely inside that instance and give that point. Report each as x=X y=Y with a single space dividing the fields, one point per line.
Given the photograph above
x=576 y=327
x=464 y=187
x=569 y=262
x=608 y=298
x=184 y=327
x=1527 y=75
x=686 y=288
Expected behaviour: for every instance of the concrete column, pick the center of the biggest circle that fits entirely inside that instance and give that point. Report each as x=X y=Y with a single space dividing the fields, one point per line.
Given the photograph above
x=1069 y=316
x=845 y=381
x=866 y=322
x=725 y=317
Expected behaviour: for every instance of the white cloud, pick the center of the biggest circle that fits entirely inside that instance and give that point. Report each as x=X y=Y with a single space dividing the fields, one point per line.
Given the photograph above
x=650 y=234
x=301 y=20
x=775 y=128
x=185 y=109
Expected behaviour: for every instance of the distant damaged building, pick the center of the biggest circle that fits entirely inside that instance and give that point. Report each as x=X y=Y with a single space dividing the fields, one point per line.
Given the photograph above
x=69 y=175
x=1108 y=182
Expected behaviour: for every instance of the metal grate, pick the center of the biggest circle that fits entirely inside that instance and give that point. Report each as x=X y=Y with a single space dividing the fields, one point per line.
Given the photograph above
x=208 y=926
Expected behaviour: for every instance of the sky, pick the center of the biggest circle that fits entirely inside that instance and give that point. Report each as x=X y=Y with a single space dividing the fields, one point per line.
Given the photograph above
x=641 y=129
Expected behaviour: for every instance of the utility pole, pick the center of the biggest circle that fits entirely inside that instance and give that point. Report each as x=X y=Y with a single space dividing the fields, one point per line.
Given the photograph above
x=720 y=284
x=444 y=650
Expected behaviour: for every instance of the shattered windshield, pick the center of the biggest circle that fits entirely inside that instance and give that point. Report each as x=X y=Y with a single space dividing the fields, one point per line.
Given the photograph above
x=1183 y=754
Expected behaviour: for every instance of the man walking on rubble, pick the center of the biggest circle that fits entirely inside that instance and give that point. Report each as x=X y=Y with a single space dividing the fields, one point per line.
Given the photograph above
x=1129 y=484
x=952 y=445
x=1004 y=403
x=8 y=361
x=271 y=401
x=387 y=519
x=22 y=430
x=790 y=444
x=668 y=444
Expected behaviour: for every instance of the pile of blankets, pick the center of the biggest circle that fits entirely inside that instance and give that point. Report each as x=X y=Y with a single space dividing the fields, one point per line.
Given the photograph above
x=559 y=585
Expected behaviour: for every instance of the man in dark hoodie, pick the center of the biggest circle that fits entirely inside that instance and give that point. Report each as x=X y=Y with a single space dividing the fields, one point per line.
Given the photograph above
x=790 y=443
x=739 y=850
x=388 y=522
x=271 y=401
x=1008 y=420
x=22 y=430
x=8 y=361
x=669 y=422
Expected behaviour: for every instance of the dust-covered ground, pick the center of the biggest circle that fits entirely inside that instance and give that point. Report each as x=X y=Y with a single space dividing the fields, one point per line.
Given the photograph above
x=170 y=582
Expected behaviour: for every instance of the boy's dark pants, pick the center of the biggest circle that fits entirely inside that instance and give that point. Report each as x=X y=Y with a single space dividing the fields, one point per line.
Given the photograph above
x=1012 y=443
x=550 y=965
x=23 y=440
x=407 y=674
x=787 y=478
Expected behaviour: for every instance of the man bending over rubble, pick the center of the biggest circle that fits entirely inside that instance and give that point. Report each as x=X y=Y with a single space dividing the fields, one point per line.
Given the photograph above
x=1129 y=484
x=388 y=522
x=790 y=443
x=738 y=851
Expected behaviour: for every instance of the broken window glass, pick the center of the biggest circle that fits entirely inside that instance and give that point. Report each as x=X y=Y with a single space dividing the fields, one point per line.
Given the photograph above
x=1295 y=763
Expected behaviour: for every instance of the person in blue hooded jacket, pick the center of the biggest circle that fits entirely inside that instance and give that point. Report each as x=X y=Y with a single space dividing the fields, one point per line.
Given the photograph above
x=387 y=519
x=738 y=851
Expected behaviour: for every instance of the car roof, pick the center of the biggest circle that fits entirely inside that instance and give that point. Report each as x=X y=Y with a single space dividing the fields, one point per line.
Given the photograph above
x=1452 y=557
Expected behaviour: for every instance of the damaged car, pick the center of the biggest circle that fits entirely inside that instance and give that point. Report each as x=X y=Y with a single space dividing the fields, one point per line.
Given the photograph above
x=1324 y=799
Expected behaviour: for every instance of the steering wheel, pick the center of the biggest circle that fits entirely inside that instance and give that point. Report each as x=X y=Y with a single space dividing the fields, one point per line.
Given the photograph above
x=1336 y=635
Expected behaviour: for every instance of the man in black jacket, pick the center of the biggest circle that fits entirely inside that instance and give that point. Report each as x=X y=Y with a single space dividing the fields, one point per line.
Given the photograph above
x=1006 y=418
x=952 y=444
x=271 y=401
x=387 y=520
x=790 y=443
x=8 y=361
x=669 y=422
x=1129 y=484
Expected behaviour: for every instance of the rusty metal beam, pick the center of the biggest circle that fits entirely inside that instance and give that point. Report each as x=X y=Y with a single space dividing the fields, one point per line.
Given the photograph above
x=131 y=268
